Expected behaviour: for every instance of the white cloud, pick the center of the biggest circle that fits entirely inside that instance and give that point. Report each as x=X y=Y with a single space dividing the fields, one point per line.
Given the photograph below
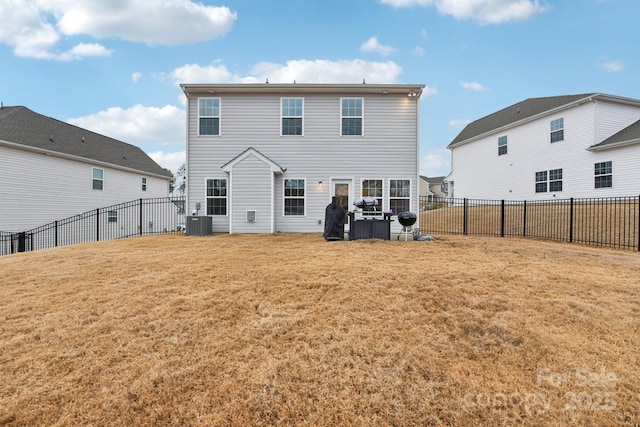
x=458 y=123
x=418 y=51
x=614 y=66
x=302 y=71
x=34 y=28
x=171 y=161
x=482 y=11
x=135 y=77
x=138 y=125
x=373 y=45
x=474 y=86
x=84 y=50
x=436 y=163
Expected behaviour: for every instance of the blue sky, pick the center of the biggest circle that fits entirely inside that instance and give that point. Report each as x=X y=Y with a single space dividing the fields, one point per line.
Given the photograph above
x=114 y=67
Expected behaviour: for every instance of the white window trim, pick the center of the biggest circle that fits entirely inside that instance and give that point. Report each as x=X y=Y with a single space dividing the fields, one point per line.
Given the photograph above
x=603 y=174
x=206 y=198
x=291 y=117
x=95 y=179
x=304 y=180
x=219 y=116
x=384 y=191
x=404 y=198
x=361 y=117
x=506 y=145
x=557 y=130
x=144 y=184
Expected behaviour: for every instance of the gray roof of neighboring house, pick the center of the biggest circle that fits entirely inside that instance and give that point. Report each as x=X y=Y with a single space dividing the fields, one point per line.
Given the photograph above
x=630 y=134
x=515 y=113
x=433 y=180
x=19 y=125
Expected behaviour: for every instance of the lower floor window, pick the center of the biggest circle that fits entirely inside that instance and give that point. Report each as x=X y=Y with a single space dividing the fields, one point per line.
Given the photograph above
x=555 y=180
x=541 y=182
x=373 y=188
x=216 y=196
x=604 y=175
x=549 y=181
x=399 y=195
x=112 y=216
x=294 y=197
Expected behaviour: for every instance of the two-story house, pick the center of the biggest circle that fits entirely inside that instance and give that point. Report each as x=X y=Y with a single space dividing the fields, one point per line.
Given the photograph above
x=585 y=145
x=52 y=170
x=267 y=157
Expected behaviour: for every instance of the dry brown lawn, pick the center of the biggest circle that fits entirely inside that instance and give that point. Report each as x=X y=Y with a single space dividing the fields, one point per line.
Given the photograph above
x=288 y=329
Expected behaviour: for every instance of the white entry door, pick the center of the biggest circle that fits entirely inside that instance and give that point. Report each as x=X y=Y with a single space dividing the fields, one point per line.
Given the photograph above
x=342 y=189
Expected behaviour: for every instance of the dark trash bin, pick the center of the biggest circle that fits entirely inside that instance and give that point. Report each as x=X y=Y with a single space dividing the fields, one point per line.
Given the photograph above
x=334 y=221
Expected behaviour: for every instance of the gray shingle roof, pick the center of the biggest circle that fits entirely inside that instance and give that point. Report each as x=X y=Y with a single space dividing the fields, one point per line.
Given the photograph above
x=22 y=126
x=515 y=113
x=433 y=180
x=629 y=134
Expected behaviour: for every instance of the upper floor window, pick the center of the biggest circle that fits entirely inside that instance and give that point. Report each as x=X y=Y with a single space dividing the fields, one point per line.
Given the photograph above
x=98 y=178
x=604 y=175
x=399 y=195
x=208 y=116
x=291 y=110
x=557 y=130
x=351 y=116
x=294 y=197
x=144 y=184
x=216 y=196
x=373 y=188
x=502 y=145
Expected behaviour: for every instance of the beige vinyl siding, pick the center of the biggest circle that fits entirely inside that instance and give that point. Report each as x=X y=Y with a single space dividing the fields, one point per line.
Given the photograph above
x=388 y=149
x=251 y=183
x=39 y=188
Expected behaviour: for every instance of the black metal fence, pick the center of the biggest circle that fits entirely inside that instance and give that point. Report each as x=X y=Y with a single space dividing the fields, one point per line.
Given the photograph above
x=135 y=218
x=611 y=222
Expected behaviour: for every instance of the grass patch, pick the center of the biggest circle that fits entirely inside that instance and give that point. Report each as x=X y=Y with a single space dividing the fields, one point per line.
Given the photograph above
x=289 y=329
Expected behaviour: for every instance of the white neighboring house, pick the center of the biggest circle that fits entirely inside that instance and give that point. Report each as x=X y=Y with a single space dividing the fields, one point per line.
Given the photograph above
x=52 y=170
x=580 y=146
x=263 y=158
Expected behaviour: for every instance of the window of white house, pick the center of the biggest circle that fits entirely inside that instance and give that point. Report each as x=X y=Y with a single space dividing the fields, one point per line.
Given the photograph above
x=555 y=180
x=144 y=184
x=216 y=196
x=98 y=178
x=541 y=182
x=399 y=195
x=292 y=114
x=549 y=181
x=208 y=116
x=351 y=116
x=112 y=216
x=502 y=145
x=604 y=175
x=557 y=130
x=294 y=197
x=373 y=188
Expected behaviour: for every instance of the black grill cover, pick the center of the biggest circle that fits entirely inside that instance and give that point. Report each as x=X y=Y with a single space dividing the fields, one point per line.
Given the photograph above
x=334 y=221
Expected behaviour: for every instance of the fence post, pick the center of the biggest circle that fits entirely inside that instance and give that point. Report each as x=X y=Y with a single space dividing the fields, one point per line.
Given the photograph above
x=464 y=217
x=524 y=220
x=502 y=218
x=140 y=217
x=638 y=224
x=22 y=241
x=55 y=233
x=97 y=224
x=571 y=221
